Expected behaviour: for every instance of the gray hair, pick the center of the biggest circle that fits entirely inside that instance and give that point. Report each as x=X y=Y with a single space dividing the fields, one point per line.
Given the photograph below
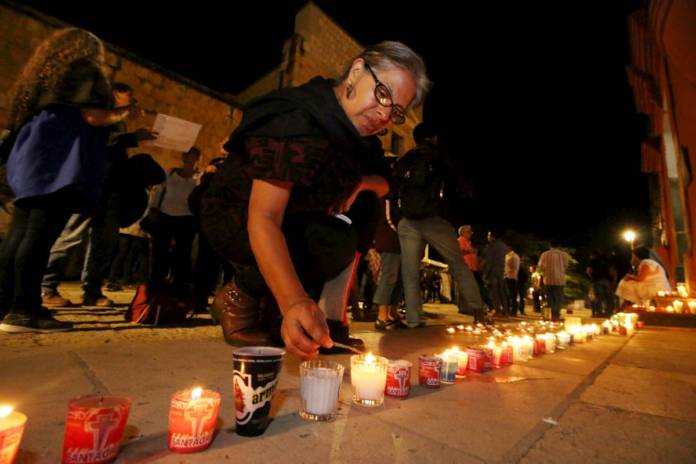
x=390 y=54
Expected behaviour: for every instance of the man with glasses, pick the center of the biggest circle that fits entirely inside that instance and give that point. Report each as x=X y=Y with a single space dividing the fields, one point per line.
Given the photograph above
x=422 y=176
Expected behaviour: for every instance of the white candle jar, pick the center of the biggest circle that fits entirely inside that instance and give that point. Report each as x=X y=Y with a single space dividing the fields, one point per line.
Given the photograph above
x=550 y=340
x=368 y=375
x=563 y=339
x=320 y=384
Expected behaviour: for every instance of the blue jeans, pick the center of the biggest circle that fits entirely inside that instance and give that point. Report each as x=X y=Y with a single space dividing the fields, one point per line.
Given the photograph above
x=388 y=279
x=440 y=234
x=102 y=236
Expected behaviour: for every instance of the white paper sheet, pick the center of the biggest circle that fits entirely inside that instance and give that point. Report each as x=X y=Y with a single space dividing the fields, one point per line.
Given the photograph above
x=174 y=133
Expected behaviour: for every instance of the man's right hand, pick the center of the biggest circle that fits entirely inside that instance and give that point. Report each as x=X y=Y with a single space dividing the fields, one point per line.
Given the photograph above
x=145 y=134
x=301 y=319
x=134 y=111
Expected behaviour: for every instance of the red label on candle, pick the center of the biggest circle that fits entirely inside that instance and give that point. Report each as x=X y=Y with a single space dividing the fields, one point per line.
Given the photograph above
x=429 y=371
x=539 y=346
x=479 y=361
x=398 y=379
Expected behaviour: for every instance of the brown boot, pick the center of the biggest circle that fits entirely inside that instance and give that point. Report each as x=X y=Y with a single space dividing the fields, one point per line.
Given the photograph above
x=53 y=298
x=239 y=317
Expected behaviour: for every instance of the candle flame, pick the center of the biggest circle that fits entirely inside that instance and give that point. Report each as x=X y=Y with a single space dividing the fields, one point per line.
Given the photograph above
x=196 y=393
x=450 y=330
x=369 y=358
x=5 y=411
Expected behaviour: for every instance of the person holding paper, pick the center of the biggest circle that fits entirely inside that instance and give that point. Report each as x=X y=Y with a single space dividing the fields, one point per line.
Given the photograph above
x=299 y=157
x=60 y=106
x=101 y=225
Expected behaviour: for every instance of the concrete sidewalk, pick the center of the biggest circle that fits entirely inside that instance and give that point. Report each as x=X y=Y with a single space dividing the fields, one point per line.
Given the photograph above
x=615 y=399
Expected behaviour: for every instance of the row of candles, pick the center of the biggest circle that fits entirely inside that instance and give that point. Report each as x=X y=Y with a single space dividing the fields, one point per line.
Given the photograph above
x=682 y=291
x=95 y=425
x=677 y=307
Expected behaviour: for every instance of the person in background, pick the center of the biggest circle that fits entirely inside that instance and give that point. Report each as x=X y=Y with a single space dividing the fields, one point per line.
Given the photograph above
x=512 y=269
x=537 y=288
x=642 y=287
x=493 y=272
x=553 y=264
x=59 y=108
x=172 y=240
x=424 y=182
x=101 y=227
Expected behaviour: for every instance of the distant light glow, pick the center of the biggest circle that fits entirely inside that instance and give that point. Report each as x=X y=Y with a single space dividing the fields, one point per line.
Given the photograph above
x=629 y=236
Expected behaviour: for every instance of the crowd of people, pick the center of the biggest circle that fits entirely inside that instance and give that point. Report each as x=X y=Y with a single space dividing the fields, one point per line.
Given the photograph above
x=301 y=192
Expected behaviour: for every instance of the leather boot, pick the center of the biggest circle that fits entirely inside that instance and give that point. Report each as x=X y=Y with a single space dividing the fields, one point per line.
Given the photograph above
x=239 y=317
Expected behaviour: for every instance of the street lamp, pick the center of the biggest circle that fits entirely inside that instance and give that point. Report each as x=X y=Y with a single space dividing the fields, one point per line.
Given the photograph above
x=629 y=236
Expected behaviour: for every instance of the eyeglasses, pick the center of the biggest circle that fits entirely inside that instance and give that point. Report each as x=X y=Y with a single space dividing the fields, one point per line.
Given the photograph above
x=384 y=98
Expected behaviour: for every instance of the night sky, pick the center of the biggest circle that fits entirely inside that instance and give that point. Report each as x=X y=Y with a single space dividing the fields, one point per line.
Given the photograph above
x=531 y=98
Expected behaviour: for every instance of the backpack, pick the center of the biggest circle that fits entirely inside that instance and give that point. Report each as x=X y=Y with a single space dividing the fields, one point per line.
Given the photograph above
x=159 y=305
x=421 y=185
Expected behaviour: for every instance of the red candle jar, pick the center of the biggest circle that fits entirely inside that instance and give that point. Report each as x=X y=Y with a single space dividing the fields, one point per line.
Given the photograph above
x=192 y=417
x=94 y=428
x=11 y=430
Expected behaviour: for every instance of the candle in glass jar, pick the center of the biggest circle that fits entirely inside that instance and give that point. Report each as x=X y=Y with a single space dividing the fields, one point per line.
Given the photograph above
x=519 y=349
x=578 y=334
x=94 y=428
x=11 y=430
x=540 y=343
x=563 y=339
x=681 y=290
x=496 y=354
x=449 y=367
x=528 y=345
x=678 y=306
x=550 y=340
x=368 y=375
x=589 y=331
x=320 y=384
x=462 y=361
x=193 y=414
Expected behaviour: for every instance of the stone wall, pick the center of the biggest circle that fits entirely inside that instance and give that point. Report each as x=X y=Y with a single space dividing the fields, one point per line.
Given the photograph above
x=156 y=89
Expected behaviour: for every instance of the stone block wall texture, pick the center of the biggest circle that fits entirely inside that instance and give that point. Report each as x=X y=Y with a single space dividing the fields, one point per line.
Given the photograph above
x=156 y=89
